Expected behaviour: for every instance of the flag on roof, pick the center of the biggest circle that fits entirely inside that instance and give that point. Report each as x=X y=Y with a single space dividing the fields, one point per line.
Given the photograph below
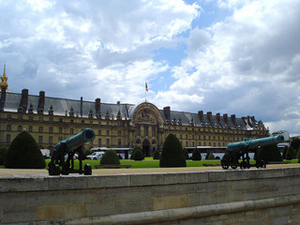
x=146 y=86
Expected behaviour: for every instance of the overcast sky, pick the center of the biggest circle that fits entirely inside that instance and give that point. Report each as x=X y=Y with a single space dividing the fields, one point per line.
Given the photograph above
x=229 y=56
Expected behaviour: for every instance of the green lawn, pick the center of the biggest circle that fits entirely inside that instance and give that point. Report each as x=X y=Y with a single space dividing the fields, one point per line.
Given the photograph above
x=149 y=163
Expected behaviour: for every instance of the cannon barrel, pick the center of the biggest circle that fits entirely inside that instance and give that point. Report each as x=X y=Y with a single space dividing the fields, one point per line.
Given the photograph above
x=251 y=144
x=77 y=140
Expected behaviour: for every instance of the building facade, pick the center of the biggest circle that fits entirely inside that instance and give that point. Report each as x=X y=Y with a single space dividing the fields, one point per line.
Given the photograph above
x=50 y=120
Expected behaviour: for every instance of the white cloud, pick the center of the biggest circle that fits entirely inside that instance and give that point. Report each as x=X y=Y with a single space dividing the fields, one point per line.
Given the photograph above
x=248 y=63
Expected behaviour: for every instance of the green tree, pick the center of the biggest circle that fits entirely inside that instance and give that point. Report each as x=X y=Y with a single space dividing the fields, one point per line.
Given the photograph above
x=24 y=153
x=295 y=142
x=110 y=157
x=269 y=153
x=196 y=155
x=3 y=152
x=186 y=153
x=87 y=152
x=290 y=154
x=172 y=153
x=211 y=156
x=138 y=154
x=298 y=154
x=284 y=151
x=156 y=154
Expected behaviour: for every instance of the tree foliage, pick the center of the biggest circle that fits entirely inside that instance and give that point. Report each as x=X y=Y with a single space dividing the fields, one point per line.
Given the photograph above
x=156 y=154
x=269 y=153
x=24 y=152
x=3 y=152
x=137 y=154
x=290 y=153
x=196 y=155
x=172 y=153
x=110 y=157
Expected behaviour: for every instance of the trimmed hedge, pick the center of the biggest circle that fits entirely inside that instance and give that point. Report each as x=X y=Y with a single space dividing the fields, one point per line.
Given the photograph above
x=3 y=153
x=137 y=154
x=172 y=153
x=25 y=153
x=269 y=153
x=196 y=155
x=156 y=154
x=110 y=157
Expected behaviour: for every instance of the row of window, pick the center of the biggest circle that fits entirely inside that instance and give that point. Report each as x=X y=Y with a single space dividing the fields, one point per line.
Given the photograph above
x=60 y=130
x=51 y=140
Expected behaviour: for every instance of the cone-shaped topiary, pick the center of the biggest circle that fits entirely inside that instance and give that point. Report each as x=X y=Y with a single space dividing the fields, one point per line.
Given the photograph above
x=284 y=151
x=3 y=152
x=24 y=153
x=172 y=153
x=138 y=154
x=110 y=157
x=269 y=153
x=196 y=155
x=290 y=153
x=156 y=154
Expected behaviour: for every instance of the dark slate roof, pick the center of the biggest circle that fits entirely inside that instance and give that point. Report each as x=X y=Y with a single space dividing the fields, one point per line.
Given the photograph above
x=61 y=107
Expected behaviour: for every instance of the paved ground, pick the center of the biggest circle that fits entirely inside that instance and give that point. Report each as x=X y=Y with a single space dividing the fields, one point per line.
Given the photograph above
x=39 y=172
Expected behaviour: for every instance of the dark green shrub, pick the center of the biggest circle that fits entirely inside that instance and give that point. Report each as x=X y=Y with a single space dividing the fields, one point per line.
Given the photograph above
x=207 y=155
x=186 y=154
x=24 y=153
x=172 y=153
x=110 y=157
x=290 y=153
x=196 y=155
x=138 y=154
x=298 y=154
x=156 y=154
x=269 y=153
x=3 y=152
x=211 y=156
x=87 y=152
x=284 y=151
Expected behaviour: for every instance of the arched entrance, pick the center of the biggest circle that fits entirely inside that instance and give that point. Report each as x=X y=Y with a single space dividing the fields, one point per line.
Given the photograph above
x=146 y=148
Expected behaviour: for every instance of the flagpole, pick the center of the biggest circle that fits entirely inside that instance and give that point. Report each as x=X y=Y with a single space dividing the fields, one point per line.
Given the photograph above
x=145 y=91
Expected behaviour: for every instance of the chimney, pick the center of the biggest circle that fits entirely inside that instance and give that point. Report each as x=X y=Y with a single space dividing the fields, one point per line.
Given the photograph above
x=81 y=106
x=218 y=117
x=98 y=107
x=167 y=111
x=24 y=100
x=3 y=99
x=41 y=102
x=233 y=118
x=225 y=117
x=209 y=116
x=200 y=114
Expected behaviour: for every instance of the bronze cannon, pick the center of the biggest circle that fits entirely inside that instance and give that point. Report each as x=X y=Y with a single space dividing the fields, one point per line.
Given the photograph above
x=240 y=150
x=62 y=160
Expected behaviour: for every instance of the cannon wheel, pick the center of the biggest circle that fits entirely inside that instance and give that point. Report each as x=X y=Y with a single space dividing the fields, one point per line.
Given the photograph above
x=261 y=164
x=87 y=169
x=225 y=164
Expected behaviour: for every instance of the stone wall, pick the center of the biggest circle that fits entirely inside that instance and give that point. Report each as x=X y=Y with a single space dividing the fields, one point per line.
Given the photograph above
x=265 y=196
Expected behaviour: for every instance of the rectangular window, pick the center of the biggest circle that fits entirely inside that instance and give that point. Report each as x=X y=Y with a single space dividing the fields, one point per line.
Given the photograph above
x=119 y=142
x=107 y=142
x=41 y=129
x=50 y=140
x=99 y=141
x=153 y=131
x=8 y=138
x=50 y=129
x=30 y=129
x=40 y=139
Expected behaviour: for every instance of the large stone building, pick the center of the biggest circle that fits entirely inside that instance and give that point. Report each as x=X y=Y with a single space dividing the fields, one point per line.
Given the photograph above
x=50 y=120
